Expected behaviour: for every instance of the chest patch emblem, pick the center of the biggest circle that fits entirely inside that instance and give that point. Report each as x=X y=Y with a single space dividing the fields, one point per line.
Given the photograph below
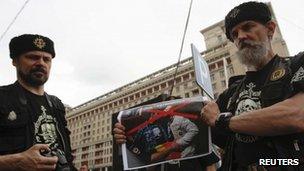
x=277 y=74
x=12 y=116
x=45 y=129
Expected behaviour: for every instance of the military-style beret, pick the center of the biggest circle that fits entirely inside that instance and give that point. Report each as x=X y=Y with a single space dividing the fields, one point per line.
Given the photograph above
x=256 y=11
x=30 y=42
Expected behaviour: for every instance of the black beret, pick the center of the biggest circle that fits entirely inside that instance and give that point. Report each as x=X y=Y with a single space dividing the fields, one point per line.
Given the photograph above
x=256 y=11
x=30 y=42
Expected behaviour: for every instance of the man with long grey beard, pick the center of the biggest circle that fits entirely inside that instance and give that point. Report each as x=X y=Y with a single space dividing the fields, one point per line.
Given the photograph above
x=263 y=113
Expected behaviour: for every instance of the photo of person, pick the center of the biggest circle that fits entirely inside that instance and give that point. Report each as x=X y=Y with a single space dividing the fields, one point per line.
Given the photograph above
x=163 y=132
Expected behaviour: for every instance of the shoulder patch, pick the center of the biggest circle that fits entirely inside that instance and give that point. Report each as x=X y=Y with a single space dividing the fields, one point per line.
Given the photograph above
x=277 y=74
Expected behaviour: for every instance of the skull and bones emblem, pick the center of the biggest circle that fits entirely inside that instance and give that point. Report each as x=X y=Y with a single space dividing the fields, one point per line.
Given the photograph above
x=247 y=105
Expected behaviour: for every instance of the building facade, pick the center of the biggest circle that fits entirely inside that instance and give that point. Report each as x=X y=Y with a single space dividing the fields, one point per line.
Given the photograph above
x=90 y=123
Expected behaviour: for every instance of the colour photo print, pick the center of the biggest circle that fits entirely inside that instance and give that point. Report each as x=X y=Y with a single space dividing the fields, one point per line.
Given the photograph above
x=164 y=132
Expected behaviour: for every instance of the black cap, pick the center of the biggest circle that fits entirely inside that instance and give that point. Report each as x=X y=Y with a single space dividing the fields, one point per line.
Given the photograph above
x=30 y=42
x=256 y=11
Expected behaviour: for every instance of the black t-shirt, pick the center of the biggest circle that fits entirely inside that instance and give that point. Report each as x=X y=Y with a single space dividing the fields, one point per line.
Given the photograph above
x=44 y=120
x=248 y=148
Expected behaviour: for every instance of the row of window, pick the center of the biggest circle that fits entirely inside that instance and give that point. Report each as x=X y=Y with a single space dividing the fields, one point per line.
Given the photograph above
x=223 y=85
x=194 y=92
x=96 y=146
x=185 y=86
x=98 y=153
x=218 y=64
x=133 y=97
x=75 y=127
x=76 y=142
x=103 y=160
x=221 y=73
x=107 y=151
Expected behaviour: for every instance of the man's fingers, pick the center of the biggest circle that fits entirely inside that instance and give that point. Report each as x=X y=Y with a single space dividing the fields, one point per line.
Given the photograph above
x=205 y=98
x=208 y=101
x=118 y=136
x=119 y=126
x=209 y=104
x=121 y=141
x=49 y=160
x=118 y=131
x=203 y=110
x=41 y=147
x=47 y=167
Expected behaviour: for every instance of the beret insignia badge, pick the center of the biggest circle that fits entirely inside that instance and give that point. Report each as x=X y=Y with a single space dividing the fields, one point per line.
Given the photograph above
x=39 y=42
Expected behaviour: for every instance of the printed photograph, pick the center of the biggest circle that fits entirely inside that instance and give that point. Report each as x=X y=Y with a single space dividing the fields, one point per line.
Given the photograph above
x=164 y=132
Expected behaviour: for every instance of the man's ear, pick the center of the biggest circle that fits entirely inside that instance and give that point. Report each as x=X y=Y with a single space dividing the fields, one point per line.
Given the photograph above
x=271 y=26
x=14 y=62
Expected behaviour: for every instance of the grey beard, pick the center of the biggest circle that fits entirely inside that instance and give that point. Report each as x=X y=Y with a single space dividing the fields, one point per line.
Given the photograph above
x=254 y=54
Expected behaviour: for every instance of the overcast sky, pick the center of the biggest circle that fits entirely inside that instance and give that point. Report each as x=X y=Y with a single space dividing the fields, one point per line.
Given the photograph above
x=104 y=44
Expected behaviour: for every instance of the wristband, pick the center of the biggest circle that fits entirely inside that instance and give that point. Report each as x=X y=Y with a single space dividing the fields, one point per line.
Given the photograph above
x=222 y=122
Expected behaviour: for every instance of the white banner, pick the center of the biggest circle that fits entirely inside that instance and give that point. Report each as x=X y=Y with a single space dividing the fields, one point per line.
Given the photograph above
x=202 y=74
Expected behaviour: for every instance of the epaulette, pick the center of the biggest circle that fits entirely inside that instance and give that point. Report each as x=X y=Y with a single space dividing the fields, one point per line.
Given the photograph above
x=235 y=79
x=56 y=102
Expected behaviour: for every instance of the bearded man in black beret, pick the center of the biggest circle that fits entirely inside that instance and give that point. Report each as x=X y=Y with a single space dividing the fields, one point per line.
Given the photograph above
x=33 y=130
x=262 y=114
x=259 y=119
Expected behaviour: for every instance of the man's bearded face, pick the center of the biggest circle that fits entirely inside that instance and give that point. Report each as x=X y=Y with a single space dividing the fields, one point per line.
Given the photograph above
x=36 y=76
x=34 y=67
x=252 y=53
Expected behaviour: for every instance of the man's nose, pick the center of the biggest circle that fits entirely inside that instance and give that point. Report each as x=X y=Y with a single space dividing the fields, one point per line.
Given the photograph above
x=242 y=35
x=40 y=61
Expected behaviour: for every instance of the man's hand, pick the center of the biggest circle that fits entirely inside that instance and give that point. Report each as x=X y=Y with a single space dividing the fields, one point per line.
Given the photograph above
x=32 y=160
x=119 y=133
x=210 y=112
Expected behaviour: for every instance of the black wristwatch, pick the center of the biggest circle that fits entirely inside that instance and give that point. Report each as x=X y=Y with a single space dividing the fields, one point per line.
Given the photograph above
x=222 y=122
